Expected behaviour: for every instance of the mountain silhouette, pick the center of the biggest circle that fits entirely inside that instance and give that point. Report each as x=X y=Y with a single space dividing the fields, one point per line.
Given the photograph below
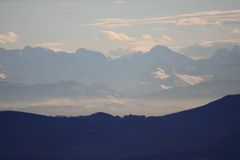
x=208 y=132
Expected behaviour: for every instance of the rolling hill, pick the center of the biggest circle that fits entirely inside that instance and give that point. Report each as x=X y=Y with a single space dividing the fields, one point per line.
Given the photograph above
x=208 y=132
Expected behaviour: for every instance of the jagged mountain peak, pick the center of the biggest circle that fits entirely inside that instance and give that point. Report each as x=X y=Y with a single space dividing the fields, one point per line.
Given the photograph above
x=160 y=49
x=222 y=52
x=27 y=47
x=86 y=52
x=164 y=52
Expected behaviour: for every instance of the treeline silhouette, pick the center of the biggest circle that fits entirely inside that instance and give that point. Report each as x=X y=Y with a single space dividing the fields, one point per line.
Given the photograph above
x=208 y=132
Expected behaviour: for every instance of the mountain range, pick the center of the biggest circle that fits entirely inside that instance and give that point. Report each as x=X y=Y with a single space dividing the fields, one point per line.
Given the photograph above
x=207 y=132
x=30 y=75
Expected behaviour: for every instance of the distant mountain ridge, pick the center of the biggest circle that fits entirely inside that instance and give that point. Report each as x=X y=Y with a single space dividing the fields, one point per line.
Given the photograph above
x=39 y=65
x=206 y=50
x=208 y=132
x=34 y=77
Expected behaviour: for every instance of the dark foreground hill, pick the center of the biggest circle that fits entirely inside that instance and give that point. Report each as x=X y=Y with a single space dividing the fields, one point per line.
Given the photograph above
x=210 y=132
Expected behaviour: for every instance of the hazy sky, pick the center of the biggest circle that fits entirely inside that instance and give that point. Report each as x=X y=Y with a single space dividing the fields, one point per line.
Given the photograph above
x=107 y=25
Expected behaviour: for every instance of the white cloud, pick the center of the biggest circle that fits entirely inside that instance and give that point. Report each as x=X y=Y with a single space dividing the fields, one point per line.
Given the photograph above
x=117 y=36
x=197 y=18
x=118 y=53
x=236 y=30
x=55 y=46
x=160 y=74
x=10 y=37
x=191 y=80
x=192 y=21
x=166 y=40
x=165 y=87
x=205 y=43
x=143 y=43
x=148 y=37
x=214 y=43
x=146 y=42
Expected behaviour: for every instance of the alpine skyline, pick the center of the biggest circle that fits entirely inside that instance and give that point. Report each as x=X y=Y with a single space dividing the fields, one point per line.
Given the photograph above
x=116 y=27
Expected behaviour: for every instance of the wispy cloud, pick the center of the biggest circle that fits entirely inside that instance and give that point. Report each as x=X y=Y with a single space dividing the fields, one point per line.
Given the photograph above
x=55 y=46
x=117 y=36
x=3 y=76
x=143 y=43
x=10 y=37
x=190 y=80
x=198 y=18
x=146 y=42
x=165 y=87
x=213 y=43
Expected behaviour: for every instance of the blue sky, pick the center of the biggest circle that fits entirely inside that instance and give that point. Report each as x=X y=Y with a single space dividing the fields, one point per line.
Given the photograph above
x=109 y=25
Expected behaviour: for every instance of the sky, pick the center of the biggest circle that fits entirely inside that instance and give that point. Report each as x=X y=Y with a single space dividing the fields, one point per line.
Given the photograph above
x=113 y=26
